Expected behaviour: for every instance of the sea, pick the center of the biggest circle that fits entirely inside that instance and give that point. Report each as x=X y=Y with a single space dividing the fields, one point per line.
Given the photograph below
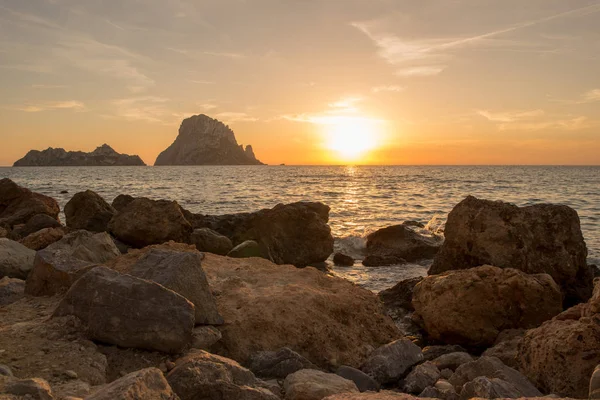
x=362 y=198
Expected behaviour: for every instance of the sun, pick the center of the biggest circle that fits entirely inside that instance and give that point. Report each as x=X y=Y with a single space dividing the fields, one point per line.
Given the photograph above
x=352 y=138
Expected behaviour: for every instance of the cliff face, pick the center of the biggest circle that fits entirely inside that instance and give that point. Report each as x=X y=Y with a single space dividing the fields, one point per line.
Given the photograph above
x=102 y=156
x=206 y=141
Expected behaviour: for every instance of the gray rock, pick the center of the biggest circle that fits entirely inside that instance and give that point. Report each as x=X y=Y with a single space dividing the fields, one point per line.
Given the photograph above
x=16 y=260
x=129 y=312
x=101 y=156
x=206 y=141
x=594 y=384
x=87 y=246
x=5 y=370
x=310 y=384
x=452 y=360
x=201 y=375
x=506 y=347
x=147 y=384
x=278 y=364
x=37 y=388
x=363 y=382
x=391 y=362
x=207 y=240
x=421 y=377
x=400 y=296
x=88 y=210
x=436 y=393
x=247 y=249
x=35 y=223
x=182 y=273
x=489 y=388
x=402 y=242
x=205 y=337
x=432 y=352
x=492 y=367
x=446 y=373
x=11 y=290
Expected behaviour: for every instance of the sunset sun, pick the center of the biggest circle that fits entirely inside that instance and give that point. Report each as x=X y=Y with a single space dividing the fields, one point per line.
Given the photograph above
x=352 y=138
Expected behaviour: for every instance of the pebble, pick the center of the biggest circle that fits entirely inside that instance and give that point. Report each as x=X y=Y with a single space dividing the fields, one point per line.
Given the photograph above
x=71 y=374
x=170 y=365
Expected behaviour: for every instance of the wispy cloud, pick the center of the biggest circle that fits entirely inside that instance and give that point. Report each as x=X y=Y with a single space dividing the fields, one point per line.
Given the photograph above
x=592 y=96
x=207 y=106
x=387 y=88
x=197 y=82
x=144 y=108
x=428 y=70
x=535 y=120
x=49 y=106
x=198 y=53
x=510 y=116
x=345 y=105
x=231 y=117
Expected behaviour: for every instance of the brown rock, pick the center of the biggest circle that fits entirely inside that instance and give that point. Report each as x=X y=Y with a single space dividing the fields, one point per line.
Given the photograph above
x=537 y=239
x=402 y=242
x=16 y=260
x=18 y=205
x=11 y=290
x=41 y=239
x=121 y=201
x=343 y=260
x=147 y=384
x=35 y=223
x=210 y=241
x=88 y=210
x=471 y=307
x=143 y=222
x=506 y=347
x=595 y=384
x=202 y=375
x=400 y=296
x=311 y=384
x=385 y=395
x=3 y=232
x=34 y=388
x=129 y=312
x=392 y=361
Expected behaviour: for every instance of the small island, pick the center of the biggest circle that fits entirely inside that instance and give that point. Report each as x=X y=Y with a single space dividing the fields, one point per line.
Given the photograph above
x=103 y=156
x=203 y=140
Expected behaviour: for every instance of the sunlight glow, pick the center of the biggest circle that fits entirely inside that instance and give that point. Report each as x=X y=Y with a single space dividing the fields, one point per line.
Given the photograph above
x=352 y=137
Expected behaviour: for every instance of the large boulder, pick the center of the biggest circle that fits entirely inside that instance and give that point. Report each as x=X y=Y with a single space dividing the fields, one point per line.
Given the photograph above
x=16 y=260
x=327 y=320
x=595 y=384
x=421 y=377
x=88 y=210
x=201 y=375
x=295 y=234
x=11 y=290
x=182 y=273
x=129 y=312
x=471 y=307
x=392 y=361
x=147 y=384
x=363 y=382
x=143 y=222
x=59 y=265
x=401 y=242
x=35 y=224
x=41 y=239
x=18 y=205
x=310 y=384
x=210 y=241
x=536 y=239
x=561 y=355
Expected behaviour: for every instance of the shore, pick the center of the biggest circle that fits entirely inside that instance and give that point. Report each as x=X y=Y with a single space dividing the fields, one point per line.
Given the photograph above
x=144 y=299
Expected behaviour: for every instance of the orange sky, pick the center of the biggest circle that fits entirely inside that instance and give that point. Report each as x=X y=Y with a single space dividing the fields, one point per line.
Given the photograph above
x=316 y=82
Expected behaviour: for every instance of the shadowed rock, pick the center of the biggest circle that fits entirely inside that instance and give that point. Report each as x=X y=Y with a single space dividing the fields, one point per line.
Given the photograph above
x=88 y=210
x=18 y=205
x=147 y=384
x=392 y=361
x=310 y=384
x=401 y=242
x=278 y=364
x=16 y=260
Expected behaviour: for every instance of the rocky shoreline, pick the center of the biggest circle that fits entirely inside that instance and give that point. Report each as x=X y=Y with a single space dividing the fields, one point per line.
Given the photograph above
x=142 y=299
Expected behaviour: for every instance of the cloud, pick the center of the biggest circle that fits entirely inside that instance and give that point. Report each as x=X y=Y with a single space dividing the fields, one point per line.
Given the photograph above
x=428 y=70
x=592 y=96
x=510 y=116
x=207 y=106
x=568 y=124
x=198 y=54
x=346 y=105
x=231 y=117
x=387 y=88
x=144 y=108
x=202 y=82
x=51 y=105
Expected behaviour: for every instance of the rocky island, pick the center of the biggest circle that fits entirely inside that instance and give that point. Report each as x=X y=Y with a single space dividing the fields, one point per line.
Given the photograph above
x=102 y=156
x=206 y=141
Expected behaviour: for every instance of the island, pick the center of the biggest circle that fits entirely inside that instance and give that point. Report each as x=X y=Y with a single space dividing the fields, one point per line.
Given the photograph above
x=103 y=156
x=203 y=140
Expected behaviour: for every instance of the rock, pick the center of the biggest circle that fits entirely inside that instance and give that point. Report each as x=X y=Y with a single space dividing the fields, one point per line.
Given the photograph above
x=452 y=360
x=400 y=296
x=11 y=290
x=182 y=273
x=421 y=377
x=101 y=156
x=144 y=222
x=72 y=389
x=202 y=375
x=295 y=233
x=4 y=232
x=594 y=392
x=327 y=320
x=35 y=388
x=247 y=249
x=205 y=337
x=383 y=261
x=432 y=352
x=363 y=382
x=492 y=367
x=278 y=364
x=506 y=347
x=121 y=201
x=59 y=265
x=206 y=141
x=129 y=312
x=489 y=388
x=18 y=205
x=5 y=370
x=310 y=384
x=446 y=373
x=147 y=384
x=343 y=260
x=210 y=241
x=384 y=395
x=391 y=361
x=536 y=239
x=471 y=307
x=35 y=224
x=16 y=260
x=401 y=242
x=43 y=238
x=88 y=210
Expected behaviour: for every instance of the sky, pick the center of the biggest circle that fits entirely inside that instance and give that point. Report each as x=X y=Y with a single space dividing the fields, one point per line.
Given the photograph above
x=307 y=81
